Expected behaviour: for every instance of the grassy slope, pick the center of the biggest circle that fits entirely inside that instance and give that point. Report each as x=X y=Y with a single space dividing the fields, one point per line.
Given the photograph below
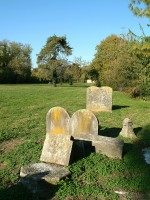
x=22 y=129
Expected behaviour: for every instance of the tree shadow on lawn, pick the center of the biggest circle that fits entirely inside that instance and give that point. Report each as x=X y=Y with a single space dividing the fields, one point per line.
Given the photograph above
x=114 y=131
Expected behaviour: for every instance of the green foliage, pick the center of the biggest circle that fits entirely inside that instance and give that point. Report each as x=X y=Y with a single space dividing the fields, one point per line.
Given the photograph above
x=140 y=46
x=115 y=63
x=52 y=55
x=139 y=10
x=15 y=62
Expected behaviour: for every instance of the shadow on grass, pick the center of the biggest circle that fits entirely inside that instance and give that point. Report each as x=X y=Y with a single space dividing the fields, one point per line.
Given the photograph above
x=114 y=131
x=82 y=85
x=116 y=107
x=109 y=132
x=20 y=192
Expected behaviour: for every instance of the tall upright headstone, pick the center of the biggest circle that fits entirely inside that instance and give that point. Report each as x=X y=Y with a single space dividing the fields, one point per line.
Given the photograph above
x=99 y=99
x=58 y=144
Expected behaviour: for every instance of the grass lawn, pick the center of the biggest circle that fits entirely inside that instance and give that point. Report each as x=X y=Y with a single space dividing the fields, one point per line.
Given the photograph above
x=22 y=133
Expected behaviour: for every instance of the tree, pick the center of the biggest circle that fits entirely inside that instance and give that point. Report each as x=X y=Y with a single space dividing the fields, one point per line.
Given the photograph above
x=140 y=46
x=15 y=62
x=115 y=63
x=53 y=54
x=139 y=10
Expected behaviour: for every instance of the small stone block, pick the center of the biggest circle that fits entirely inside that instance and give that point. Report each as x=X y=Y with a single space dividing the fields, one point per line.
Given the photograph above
x=127 y=130
x=111 y=147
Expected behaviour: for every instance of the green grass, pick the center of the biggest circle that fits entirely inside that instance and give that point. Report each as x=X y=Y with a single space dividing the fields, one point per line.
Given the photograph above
x=22 y=132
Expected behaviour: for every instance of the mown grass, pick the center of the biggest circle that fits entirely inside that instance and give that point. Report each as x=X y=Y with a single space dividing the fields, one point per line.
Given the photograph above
x=22 y=132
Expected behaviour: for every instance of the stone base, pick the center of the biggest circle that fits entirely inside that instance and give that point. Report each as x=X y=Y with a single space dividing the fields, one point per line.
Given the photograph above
x=111 y=147
x=99 y=109
x=40 y=176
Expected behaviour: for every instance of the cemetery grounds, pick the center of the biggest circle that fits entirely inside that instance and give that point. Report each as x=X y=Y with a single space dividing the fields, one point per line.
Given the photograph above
x=22 y=133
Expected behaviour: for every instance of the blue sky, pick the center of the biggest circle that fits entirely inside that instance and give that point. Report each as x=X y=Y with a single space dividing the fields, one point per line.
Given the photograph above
x=84 y=22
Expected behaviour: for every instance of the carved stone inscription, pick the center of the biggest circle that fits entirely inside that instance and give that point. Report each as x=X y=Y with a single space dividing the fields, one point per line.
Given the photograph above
x=99 y=99
x=57 y=149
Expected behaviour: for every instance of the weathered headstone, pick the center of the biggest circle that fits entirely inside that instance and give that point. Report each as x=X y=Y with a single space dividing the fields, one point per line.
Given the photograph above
x=99 y=99
x=57 y=149
x=127 y=130
x=57 y=145
x=83 y=127
x=83 y=122
x=57 y=121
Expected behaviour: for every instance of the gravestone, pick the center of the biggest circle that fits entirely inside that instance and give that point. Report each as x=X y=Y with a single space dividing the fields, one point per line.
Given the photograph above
x=83 y=128
x=83 y=123
x=39 y=177
x=58 y=144
x=57 y=121
x=99 y=99
x=127 y=130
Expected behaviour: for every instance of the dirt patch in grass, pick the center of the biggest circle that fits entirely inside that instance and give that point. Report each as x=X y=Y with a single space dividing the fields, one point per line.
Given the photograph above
x=3 y=165
x=8 y=146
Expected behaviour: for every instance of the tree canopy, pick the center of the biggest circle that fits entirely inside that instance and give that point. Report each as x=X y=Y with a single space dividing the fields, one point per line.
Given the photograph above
x=15 y=62
x=53 y=55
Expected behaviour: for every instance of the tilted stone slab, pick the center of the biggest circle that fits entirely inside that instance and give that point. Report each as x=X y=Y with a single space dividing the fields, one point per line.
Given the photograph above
x=83 y=122
x=42 y=171
x=127 y=130
x=111 y=147
x=38 y=177
x=99 y=99
x=57 y=149
x=57 y=121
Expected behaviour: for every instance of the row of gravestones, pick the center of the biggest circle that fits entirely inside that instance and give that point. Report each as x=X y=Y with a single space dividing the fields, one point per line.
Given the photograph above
x=62 y=131
x=66 y=139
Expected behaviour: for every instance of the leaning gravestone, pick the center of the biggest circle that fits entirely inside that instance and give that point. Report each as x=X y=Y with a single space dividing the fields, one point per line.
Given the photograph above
x=84 y=127
x=57 y=145
x=99 y=99
x=83 y=123
x=39 y=177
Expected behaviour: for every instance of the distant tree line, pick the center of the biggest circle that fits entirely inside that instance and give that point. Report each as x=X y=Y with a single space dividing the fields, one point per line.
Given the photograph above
x=122 y=62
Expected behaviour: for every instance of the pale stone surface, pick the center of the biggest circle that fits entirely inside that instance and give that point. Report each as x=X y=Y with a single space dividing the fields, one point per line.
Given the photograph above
x=57 y=121
x=127 y=130
x=83 y=122
x=111 y=147
x=49 y=172
x=99 y=99
x=57 y=149
x=146 y=153
x=41 y=177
